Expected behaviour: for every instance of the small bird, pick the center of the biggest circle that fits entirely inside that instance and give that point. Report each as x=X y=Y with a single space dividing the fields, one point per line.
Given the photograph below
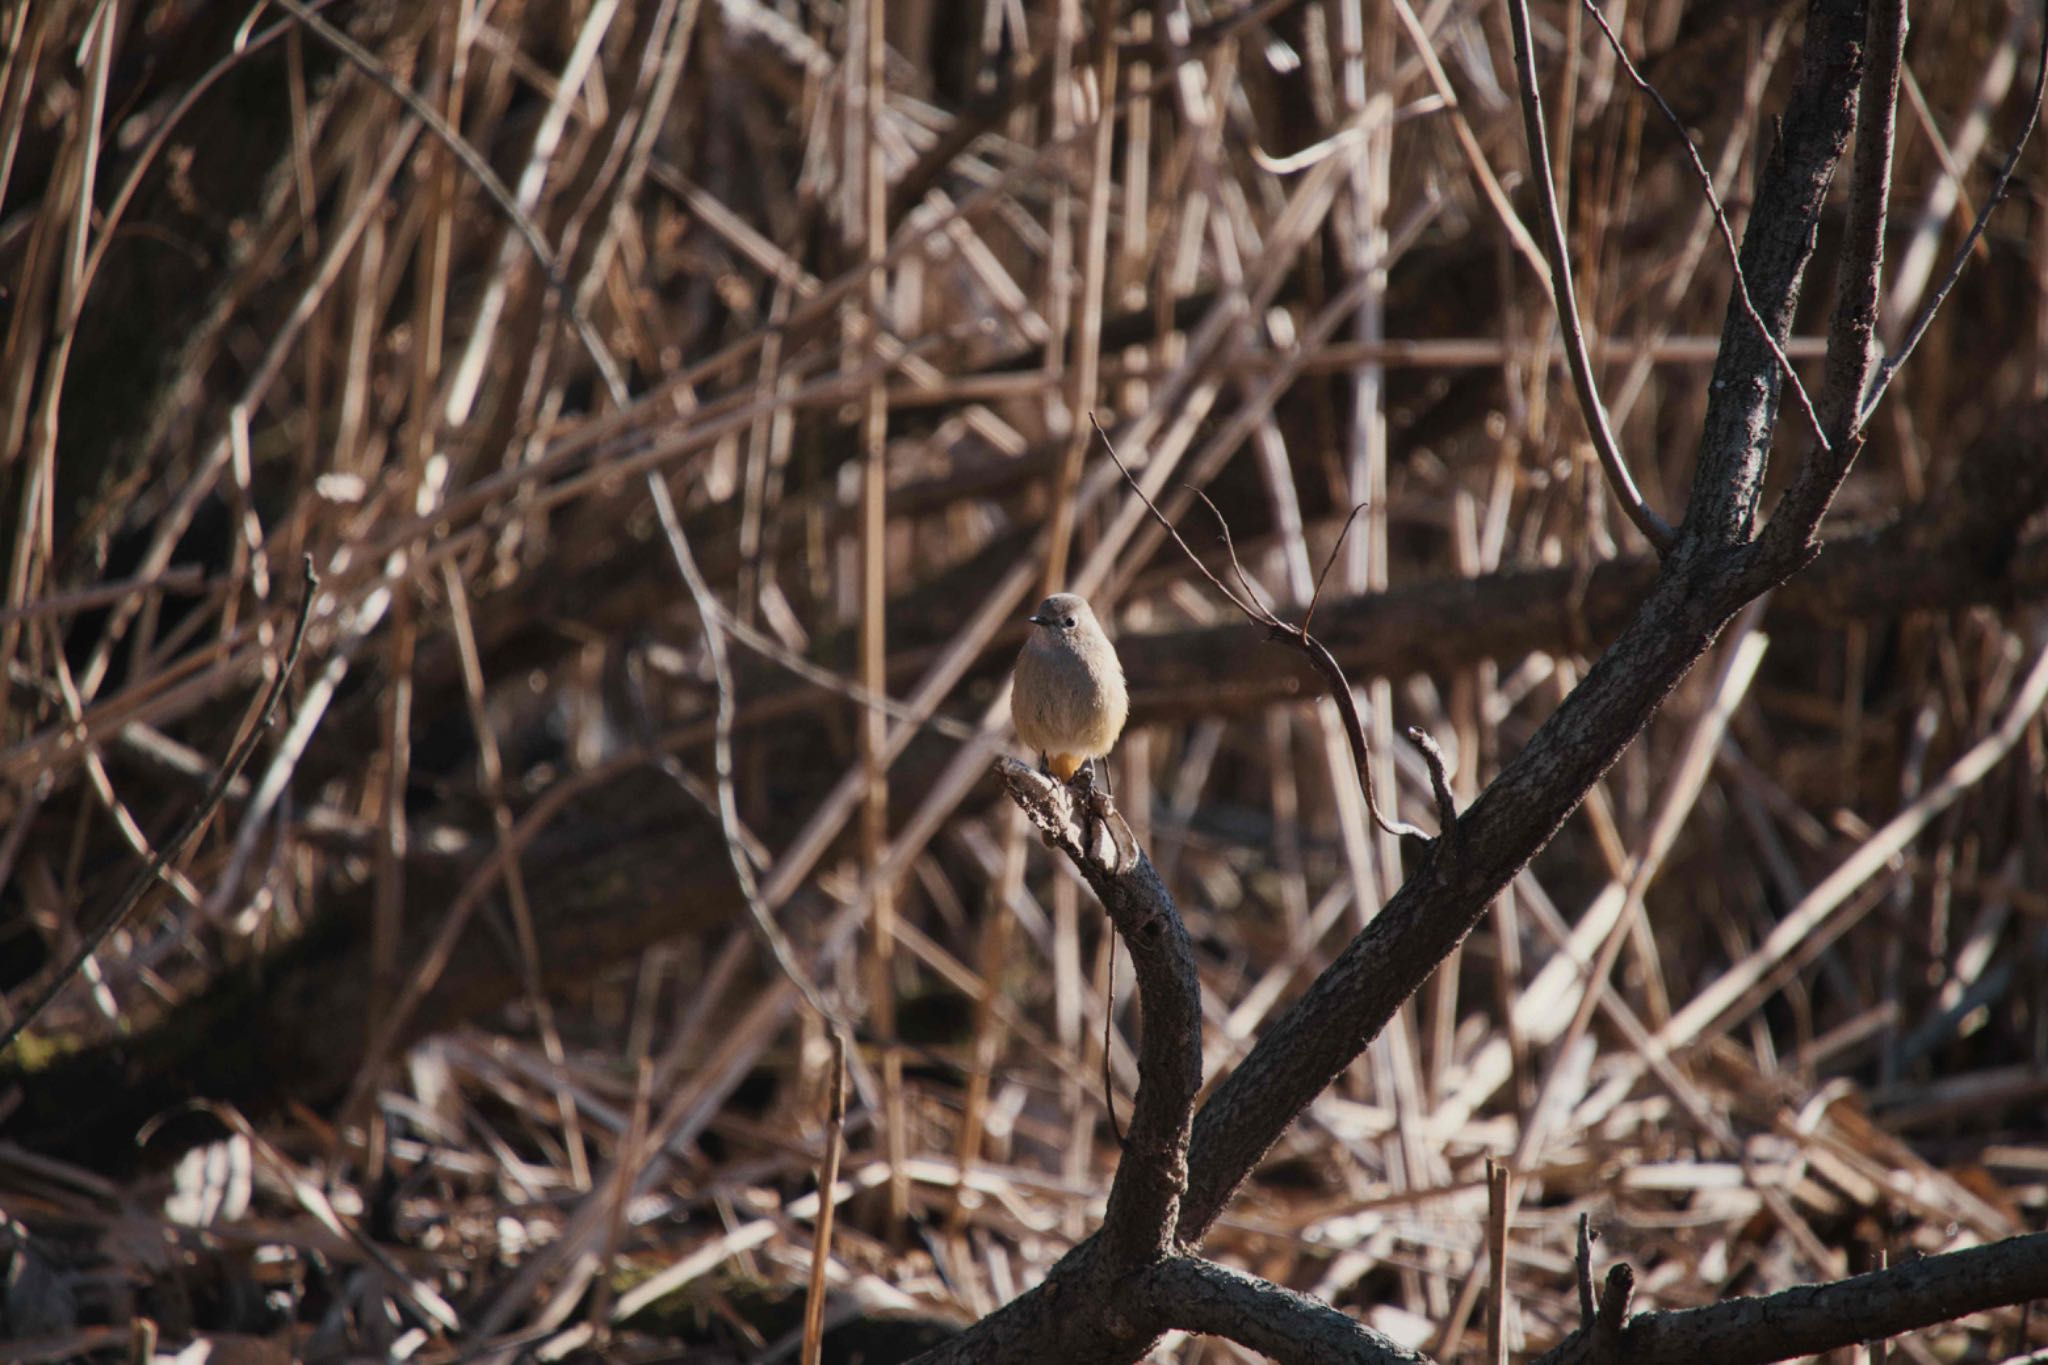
x=1069 y=702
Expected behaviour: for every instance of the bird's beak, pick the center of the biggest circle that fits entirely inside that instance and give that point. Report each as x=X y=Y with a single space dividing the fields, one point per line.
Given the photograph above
x=1036 y=620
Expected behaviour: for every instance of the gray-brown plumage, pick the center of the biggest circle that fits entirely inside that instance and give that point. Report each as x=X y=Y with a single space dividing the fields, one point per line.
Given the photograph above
x=1069 y=700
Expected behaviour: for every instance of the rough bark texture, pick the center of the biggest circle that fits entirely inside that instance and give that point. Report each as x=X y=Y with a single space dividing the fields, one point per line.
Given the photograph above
x=1816 y=1318
x=1295 y=1329
x=1715 y=568
x=1776 y=246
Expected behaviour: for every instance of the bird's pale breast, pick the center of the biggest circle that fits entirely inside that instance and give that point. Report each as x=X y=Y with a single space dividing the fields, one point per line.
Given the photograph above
x=1067 y=702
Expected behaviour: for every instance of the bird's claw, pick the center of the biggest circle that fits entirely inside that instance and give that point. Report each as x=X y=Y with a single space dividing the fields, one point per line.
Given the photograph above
x=1098 y=811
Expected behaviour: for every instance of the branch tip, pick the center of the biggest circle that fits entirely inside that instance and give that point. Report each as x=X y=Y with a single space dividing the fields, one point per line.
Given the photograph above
x=1439 y=779
x=1330 y=563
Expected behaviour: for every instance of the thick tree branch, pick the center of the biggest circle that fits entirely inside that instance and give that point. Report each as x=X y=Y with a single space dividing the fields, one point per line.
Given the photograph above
x=1852 y=335
x=1742 y=400
x=1080 y=1313
x=1144 y=1201
x=1344 y=1009
x=1194 y=1295
x=1795 y=527
x=1708 y=577
x=1817 y=1318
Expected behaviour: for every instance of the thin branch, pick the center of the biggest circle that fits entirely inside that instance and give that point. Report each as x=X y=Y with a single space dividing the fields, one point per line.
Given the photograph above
x=772 y=937
x=1706 y=179
x=1236 y=564
x=773 y=650
x=1439 y=776
x=1318 y=654
x=174 y=848
x=1999 y=189
x=1654 y=528
x=1257 y=614
x=1336 y=551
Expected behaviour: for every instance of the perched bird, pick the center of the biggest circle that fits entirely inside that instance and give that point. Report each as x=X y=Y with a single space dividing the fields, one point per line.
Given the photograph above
x=1069 y=702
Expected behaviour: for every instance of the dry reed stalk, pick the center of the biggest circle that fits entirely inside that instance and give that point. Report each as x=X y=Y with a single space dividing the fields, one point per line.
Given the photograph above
x=828 y=1181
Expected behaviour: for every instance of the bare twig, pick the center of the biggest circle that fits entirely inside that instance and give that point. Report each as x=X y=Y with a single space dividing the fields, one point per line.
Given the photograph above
x=1336 y=551
x=1654 y=528
x=1706 y=179
x=1256 y=611
x=768 y=647
x=1999 y=188
x=173 y=848
x=772 y=937
x=1439 y=776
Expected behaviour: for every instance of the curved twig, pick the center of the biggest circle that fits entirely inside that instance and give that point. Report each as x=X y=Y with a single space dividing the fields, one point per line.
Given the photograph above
x=771 y=935
x=1318 y=653
x=1654 y=528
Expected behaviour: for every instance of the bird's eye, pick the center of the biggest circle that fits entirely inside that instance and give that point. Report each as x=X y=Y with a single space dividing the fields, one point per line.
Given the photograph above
x=1068 y=623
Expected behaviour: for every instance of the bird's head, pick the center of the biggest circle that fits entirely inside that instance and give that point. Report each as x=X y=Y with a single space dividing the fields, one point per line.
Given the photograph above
x=1062 y=614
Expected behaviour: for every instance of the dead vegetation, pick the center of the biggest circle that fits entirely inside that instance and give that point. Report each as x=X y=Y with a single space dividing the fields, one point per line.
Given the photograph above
x=457 y=1033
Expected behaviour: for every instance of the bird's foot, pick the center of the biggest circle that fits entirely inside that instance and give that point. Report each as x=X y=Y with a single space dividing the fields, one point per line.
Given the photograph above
x=1098 y=812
